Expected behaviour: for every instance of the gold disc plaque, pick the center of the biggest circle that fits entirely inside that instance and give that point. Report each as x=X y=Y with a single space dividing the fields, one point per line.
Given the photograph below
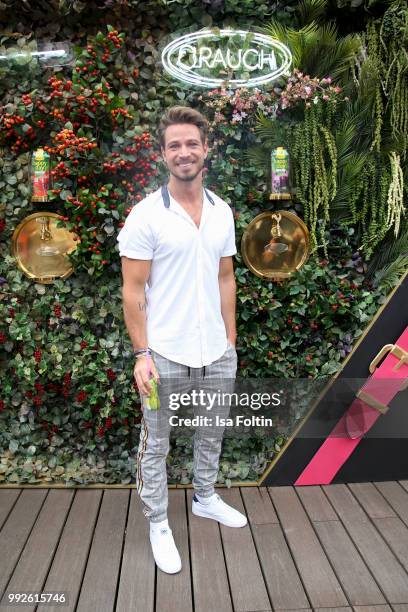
x=275 y=244
x=41 y=248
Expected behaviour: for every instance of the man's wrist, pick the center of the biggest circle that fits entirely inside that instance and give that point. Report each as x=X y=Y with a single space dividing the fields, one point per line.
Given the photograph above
x=144 y=352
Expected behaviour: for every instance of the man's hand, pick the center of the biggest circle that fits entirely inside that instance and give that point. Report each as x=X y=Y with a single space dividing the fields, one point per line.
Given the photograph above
x=226 y=281
x=143 y=369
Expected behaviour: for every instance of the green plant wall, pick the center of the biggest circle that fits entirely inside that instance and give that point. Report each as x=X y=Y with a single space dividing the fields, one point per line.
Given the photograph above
x=69 y=409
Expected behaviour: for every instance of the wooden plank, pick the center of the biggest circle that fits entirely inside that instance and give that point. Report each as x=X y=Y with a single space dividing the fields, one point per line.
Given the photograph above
x=247 y=585
x=371 y=500
x=395 y=533
x=284 y=586
x=387 y=571
x=400 y=607
x=210 y=581
x=73 y=549
x=137 y=577
x=356 y=580
x=258 y=506
x=32 y=567
x=101 y=575
x=319 y=580
x=316 y=504
x=16 y=530
x=341 y=609
x=404 y=483
x=396 y=496
x=173 y=592
x=383 y=608
x=8 y=498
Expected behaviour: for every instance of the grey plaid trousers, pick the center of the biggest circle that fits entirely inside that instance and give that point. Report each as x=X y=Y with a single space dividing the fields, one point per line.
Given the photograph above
x=151 y=472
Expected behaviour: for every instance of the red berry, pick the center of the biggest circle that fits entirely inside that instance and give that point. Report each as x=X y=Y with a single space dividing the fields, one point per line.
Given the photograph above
x=39 y=387
x=81 y=396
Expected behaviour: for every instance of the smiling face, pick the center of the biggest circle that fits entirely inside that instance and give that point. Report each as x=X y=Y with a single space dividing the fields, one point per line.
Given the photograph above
x=184 y=152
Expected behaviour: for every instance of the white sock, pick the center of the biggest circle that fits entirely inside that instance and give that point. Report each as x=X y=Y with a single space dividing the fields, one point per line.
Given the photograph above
x=204 y=500
x=160 y=525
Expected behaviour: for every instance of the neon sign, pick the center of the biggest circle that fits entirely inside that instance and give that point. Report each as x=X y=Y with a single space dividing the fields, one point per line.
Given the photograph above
x=210 y=58
x=49 y=54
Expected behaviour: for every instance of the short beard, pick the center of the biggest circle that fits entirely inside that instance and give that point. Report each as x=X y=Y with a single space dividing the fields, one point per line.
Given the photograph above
x=187 y=179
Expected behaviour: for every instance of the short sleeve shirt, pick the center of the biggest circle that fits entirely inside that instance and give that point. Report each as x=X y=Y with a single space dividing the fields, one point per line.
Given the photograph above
x=183 y=302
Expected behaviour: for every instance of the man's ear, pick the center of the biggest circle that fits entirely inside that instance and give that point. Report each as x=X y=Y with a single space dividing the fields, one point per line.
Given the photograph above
x=163 y=154
x=205 y=149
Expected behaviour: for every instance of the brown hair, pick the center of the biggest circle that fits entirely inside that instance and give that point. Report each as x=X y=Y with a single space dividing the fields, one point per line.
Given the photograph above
x=182 y=114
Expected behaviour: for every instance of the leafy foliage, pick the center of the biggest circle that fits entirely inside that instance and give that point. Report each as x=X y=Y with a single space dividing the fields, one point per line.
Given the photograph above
x=317 y=49
x=69 y=411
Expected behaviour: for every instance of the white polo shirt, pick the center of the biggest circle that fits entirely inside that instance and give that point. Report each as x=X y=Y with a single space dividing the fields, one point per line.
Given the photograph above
x=184 y=321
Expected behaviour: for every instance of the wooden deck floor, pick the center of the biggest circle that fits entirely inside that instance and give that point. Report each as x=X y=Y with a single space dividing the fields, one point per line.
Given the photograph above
x=338 y=547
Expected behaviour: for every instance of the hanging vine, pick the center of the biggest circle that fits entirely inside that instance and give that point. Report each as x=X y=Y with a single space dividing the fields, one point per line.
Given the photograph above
x=395 y=196
x=393 y=36
x=315 y=164
x=373 y=213
x=372 y=40
x=383 y=198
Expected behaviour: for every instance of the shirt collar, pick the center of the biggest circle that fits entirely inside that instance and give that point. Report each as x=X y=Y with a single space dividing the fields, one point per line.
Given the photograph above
x=178 y=209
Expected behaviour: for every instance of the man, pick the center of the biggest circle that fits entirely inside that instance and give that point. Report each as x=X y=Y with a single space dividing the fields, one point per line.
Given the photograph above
x=179 y=307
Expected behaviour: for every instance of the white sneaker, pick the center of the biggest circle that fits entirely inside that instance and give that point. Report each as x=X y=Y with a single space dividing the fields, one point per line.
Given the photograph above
x=219 y=511
x=164 y=549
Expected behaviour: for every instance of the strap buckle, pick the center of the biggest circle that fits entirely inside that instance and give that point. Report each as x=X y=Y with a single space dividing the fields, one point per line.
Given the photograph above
x=371 y=401
x=395 y=350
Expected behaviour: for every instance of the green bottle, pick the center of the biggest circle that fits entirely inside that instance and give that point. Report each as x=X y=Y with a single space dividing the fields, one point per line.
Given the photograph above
x=153 y=400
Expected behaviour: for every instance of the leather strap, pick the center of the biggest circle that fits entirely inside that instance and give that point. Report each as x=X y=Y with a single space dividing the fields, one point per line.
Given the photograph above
x=388 y=378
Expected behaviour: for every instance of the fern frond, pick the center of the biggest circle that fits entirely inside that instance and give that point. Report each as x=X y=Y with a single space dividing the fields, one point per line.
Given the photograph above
x=317 y=49
x=310 y=10
x=390 y=250
x=349 y=169
x=389 y=276
x=258 y=156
